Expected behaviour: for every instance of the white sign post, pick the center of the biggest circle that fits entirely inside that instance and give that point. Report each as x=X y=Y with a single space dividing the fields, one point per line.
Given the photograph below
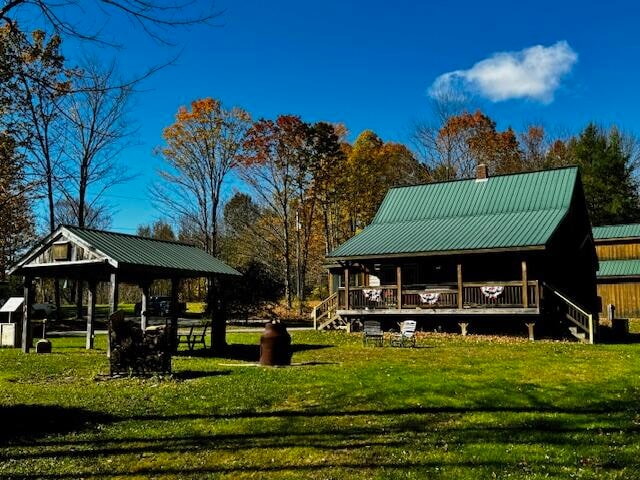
x=9 y=330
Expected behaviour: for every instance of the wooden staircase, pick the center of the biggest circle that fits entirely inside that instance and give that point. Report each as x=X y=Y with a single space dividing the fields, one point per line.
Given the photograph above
x=325 y=315
x=583 y=327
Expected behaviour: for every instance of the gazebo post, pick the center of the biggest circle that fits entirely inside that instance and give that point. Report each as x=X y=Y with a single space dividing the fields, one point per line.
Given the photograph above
x=144 y=316
x=113 y=303
x=26 y=315
x=91 y=314
x=113 y=293
x=175 y=288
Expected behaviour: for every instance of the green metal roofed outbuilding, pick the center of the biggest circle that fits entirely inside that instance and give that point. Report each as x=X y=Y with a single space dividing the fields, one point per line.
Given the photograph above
x=95 y=256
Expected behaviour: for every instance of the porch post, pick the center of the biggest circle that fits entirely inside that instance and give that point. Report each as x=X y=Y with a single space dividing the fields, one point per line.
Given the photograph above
x=346 y=288
x=329 y=283
x=144 y=316
x=26 y=315
x=460 y=292
x=91 y=315
x=525 y=290
x=399 y=281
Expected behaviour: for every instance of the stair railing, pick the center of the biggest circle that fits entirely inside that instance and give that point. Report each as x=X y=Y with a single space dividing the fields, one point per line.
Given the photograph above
x=574 y=312
x=326 y=308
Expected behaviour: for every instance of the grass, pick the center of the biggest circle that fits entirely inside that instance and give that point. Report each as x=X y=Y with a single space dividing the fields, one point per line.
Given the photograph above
x=454 y=408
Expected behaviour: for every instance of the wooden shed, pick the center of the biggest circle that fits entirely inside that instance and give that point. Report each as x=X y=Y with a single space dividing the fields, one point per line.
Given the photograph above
x=516 y=247
x=618 y=249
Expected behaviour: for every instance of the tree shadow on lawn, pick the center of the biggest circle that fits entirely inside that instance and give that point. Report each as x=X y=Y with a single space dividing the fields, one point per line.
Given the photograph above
x=28 y=422
x=244 y=352
x=442 y=436
x=194 y=374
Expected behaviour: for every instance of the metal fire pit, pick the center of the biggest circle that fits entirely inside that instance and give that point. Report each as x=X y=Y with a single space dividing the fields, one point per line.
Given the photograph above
x=275 y=345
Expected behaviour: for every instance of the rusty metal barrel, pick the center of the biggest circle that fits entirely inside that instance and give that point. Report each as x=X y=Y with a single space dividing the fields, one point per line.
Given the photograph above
x=275 y=345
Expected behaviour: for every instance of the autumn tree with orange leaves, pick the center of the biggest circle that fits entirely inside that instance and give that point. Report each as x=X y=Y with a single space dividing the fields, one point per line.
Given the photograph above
x=274 y=153
x=474 y=139
x=201 y=147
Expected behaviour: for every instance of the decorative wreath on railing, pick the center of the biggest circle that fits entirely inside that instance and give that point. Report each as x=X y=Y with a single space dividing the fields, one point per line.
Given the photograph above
x=492 y=291
x=372 y=294
x=430 y=298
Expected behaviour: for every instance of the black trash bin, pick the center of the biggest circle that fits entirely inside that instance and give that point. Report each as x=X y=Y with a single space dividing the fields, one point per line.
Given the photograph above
x=275 y=345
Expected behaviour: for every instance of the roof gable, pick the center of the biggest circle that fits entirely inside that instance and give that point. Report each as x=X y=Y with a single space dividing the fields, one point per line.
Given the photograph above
x=502 y=212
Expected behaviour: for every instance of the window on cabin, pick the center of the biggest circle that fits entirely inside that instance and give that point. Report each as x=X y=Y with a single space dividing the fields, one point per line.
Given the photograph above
x=387 y=275
x=410 y=274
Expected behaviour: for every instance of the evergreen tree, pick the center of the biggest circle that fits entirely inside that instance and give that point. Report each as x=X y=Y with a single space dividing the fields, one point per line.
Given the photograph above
x=607 y=169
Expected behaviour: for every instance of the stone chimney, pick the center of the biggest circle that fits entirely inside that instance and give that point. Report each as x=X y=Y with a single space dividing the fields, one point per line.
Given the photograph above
x=481 y=172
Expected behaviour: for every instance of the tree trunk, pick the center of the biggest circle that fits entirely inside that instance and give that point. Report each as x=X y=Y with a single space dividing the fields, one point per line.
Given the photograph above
x=81 y=213
x=287 y=268
x=52 y=228
x=218 y=318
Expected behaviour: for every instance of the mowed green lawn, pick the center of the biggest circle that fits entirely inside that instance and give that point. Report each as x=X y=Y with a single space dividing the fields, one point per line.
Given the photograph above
x=454 y=408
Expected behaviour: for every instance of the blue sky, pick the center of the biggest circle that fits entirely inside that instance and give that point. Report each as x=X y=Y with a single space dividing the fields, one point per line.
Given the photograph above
x=370 y=64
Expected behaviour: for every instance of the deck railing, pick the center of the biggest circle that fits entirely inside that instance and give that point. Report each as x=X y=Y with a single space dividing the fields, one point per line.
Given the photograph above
x=478 y=295
x=430 y=297
x=474 y=295
x=383 y=298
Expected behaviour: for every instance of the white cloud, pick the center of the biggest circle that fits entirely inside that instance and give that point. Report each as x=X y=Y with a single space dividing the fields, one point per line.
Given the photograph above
x=533 y=73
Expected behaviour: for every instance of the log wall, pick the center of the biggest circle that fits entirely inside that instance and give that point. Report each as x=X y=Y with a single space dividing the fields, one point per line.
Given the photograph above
x=624 y=295
x=618 y=251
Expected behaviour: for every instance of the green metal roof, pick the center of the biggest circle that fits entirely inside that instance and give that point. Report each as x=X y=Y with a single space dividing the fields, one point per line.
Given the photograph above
x=136 y=250
x=628 y=230
x=507 y=211
x=619 y=268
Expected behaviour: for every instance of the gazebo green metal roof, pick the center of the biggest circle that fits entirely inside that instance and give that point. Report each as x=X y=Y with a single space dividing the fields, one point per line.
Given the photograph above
x=619 y=268
x=515 y=211
x=128 y=254
x=135 y=250
x=627 y=230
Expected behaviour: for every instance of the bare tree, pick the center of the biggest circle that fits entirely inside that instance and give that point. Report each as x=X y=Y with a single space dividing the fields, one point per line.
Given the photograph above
x=201 y=148
x=96 y=216
x=272 y=151
x=155 y=17
x=97 y=131
x=446 y=156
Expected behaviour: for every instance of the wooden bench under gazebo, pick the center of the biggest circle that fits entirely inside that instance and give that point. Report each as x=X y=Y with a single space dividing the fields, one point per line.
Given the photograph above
x=95 y=256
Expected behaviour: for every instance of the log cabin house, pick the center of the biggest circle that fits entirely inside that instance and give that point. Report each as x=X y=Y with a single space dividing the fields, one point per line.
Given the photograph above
x=511 y=248
x=618 y=249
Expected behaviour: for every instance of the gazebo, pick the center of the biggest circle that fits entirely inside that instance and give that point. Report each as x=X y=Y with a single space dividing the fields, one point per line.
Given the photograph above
x=96 y=256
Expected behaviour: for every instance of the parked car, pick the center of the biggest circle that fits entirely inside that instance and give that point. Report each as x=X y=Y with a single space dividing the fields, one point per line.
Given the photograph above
x=43 y=310
x=159 y=306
